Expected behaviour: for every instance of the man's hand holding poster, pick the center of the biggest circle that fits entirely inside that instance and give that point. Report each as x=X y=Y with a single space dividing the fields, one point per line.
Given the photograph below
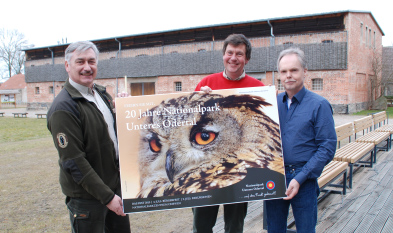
x=195 y=149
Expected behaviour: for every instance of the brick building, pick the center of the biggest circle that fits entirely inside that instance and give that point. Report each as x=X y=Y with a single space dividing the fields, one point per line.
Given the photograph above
x=339 y=47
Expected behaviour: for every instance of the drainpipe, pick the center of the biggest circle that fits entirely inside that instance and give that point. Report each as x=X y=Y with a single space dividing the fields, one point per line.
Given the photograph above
x=118 y=52
x=117 y=86
x=53 y=62
x=53 y=59
x=272 y=43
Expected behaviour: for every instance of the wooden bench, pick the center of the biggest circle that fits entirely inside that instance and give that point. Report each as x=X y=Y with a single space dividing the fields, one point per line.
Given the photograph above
x=41 y=115
x=331 y=172
x=20 y=114
x=380 y=120
x=354 y=152
x=2 y=113
x=365 y=125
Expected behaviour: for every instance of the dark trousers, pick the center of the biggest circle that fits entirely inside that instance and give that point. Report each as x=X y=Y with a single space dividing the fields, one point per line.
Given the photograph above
x=234 y=215
x=93 y=217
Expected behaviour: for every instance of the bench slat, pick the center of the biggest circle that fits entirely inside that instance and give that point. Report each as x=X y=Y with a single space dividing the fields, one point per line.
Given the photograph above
x=334 y=168
x=374 y=137
x=353 y=152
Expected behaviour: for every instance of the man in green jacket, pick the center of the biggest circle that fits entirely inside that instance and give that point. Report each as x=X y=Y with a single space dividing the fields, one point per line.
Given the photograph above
x=82 y=123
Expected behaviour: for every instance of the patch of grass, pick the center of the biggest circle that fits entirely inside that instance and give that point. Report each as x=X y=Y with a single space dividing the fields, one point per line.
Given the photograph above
x=367 y=112
x=31 y=198
x=20 y=129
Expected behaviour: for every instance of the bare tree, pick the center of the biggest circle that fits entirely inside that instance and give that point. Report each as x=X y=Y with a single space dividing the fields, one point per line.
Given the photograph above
x=11 y=44
x=387 y=70
x=376 y=82
x=382 y=77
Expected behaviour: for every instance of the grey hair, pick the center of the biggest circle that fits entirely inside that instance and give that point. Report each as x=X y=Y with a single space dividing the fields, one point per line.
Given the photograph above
x=293 y=50
x=80 y=46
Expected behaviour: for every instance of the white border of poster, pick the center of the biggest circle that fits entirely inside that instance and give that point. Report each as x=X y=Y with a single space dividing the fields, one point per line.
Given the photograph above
x=194 y=149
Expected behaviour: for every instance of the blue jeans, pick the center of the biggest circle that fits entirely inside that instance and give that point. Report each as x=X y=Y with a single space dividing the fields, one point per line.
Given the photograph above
x=92 y=216
x=304 y=206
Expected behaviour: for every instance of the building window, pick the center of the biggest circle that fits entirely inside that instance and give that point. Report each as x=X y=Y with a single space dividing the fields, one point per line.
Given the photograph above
x=51 y=90
x=369 y=41
x=138 y=89
x=327 y=41
x=361 y=32
x=288 y=43
x=37 y=90
x=201 y=50
x=365 y=36
x=317 y=84
x=374 y=40
x=280 y=87
x=177 y=86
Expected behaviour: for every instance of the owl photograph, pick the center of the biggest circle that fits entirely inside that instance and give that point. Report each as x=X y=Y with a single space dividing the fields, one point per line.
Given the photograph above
x=212 y=153
x=199 y=142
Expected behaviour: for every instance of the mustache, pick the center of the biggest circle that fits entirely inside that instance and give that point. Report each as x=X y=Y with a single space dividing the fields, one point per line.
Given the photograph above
x=86 y=72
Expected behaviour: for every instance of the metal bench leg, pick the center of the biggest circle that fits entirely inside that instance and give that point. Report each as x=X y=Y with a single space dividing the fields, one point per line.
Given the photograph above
x=375 y=153
x=350 y=175
x=345 y=183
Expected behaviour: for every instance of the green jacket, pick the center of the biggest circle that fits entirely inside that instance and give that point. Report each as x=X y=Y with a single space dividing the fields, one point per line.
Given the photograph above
x=87 y=157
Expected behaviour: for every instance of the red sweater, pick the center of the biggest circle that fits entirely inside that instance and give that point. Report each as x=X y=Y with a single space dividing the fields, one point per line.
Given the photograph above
x=217 y=81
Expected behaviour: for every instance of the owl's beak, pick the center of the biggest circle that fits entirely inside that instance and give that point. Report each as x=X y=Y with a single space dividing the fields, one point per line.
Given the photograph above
x=169 y=165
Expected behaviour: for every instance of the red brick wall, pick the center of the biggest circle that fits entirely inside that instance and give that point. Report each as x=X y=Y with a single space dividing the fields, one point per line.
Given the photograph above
x=166 y=84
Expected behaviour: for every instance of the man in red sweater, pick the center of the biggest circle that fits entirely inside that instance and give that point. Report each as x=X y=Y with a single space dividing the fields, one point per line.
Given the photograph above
x=236 y=54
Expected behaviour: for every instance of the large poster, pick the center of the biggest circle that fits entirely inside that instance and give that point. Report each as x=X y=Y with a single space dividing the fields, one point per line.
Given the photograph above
x=196 y=149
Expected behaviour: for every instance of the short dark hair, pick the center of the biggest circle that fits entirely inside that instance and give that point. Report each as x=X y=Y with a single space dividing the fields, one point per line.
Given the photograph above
x=237 y=39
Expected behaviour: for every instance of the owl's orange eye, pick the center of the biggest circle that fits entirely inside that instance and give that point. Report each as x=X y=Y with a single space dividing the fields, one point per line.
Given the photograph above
x=204 y=138
x=155 y=145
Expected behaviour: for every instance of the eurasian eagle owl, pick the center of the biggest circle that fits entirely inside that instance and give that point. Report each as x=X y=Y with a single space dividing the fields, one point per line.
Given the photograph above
x=206 y=151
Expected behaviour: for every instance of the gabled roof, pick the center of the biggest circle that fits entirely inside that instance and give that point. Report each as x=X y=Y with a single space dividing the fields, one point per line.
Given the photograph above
x=15 y=82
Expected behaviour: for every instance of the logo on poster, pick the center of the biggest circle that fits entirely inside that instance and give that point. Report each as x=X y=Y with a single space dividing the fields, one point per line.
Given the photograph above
x=270 y=185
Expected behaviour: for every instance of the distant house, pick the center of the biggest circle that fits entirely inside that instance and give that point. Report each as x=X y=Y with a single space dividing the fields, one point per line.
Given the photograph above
x=14 y=91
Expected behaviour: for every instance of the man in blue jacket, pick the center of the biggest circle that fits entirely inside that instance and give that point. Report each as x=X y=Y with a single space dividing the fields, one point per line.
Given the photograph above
x=309 y=143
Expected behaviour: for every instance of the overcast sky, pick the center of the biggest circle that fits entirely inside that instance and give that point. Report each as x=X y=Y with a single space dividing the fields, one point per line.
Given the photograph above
x=46 y=22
